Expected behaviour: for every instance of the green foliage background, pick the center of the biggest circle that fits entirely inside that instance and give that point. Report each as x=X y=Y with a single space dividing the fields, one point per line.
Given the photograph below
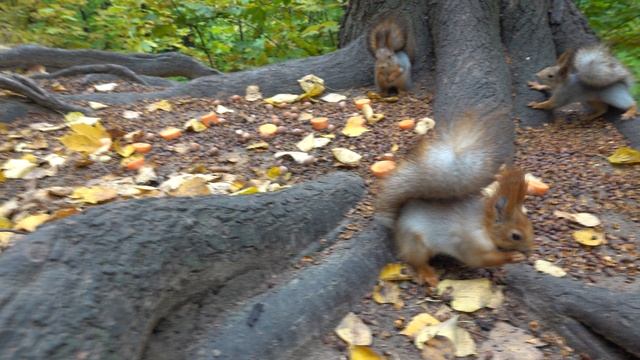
x=237 y=34
x=228 y=34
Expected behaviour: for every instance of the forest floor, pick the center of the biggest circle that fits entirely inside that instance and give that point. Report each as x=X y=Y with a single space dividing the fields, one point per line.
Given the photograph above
x=231 y=157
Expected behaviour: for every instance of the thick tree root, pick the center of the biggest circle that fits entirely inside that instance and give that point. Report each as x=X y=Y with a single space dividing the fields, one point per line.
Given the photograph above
x=594 y=320
x=163 y=65
x=113 y=69
x=27 y=87
x=95 y=285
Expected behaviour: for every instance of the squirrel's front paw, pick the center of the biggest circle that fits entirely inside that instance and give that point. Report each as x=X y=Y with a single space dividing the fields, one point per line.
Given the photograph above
x=534 y=105
x=537 y=86
x=516 y=256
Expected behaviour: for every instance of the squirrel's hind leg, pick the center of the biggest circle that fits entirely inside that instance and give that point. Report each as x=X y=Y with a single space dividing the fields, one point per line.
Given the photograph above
x=412 y=249
x=631 y=113
x=599 y=108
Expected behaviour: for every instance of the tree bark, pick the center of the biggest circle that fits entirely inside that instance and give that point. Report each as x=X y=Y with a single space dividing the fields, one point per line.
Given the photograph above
x=94 y=286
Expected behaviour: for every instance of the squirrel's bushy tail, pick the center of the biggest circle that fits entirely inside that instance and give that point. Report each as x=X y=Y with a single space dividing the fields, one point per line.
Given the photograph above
x=464 y=158
x=596 y=66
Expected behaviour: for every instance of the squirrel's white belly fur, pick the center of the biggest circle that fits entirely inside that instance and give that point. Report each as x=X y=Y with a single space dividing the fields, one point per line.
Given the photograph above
x=445 y=226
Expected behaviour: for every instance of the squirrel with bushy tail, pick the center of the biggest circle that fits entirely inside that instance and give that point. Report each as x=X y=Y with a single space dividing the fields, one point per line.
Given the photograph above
x=590 y=75
x=391 y=41
x=434 y=200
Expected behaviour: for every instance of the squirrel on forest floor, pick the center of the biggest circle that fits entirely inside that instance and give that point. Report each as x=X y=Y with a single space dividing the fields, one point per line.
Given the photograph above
x=434 y=201
x=392 y=44
x=590 y=75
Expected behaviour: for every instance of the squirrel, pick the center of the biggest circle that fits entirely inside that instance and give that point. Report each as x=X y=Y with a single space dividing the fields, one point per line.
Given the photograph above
x=392 y=44
x=434 y=201
x=589 y=75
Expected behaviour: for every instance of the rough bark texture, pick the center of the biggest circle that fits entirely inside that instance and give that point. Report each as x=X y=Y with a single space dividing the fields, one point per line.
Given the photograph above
x=95 y=285
x=117 y=70
x=275 y=323
x=163 y=65
x=600 y=322
x=30 y=89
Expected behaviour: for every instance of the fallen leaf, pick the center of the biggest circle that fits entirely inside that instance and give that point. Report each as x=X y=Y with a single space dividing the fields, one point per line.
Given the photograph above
x=146 y=174
x=471 y=295
x=549 y=268
x=353 y=331
x=17 y=168
x=223 y=110
x=355 y=126
x=63 y=213
x=297 y=156
x=461 y=339
x=9 y=207
x=58 y=87
x=253 y=93
x=394 y=272
x=387 y=292
x=97 y=106
x=43 y=126
x=79 y=118
x=258 y=145
x=281 y=99
x=417 y=323
x=128 y=114
x=31 y=222
x=363 y=353
x=625 y=155
x=126 y=151
x=195 y=125
x=346 y=156
x=5 y=223
x=247 y=191
x=589 y=237
x=438 y=348
x=584 y=219
x=55 y=160
x=3 y=178
x=87 y=139
x=94 y=194
x=163 y=105
x=5 y=239
x=105 y=87
x=311 y=85
x=307 y=144
x=424 y=125
x=333 y=98
x=507 y=342
x=322 y=141
x=195 y=186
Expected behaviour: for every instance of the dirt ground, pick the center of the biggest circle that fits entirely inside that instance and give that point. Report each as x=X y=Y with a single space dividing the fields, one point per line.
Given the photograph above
x=569 y=155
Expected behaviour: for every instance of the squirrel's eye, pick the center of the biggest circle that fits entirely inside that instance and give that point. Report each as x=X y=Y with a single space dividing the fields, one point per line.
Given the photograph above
x=550 y=76
x=515 y=236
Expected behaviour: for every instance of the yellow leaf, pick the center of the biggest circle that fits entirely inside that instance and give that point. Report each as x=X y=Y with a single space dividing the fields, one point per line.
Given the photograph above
x=395 y=147
x=258 y=145
x=584 y=219
x=549 y=268
x=424 y=125
x=281 y=99
x=333 y=98
x=30 y=158
x=126 y=151
x=297 y=156
x=353 y=331
x=346 y=156
x=87 y=138
x=312 y=85
x=79 y=118
x=252 y=93
x=363 y=353
x=307 y=144
x=417 y=323
x=589 y=237
x=163 y=105
x=195 y=125
x=273 y=173
x=105 y=87
x=394 y=272
x=438 y=348
x=388 y=293
x=195 y=186
x=461 y=339
x=63 y=213
x=471 y=295
x=31 y=222
x=355 y=126
x=625 y=155
x=247 y=191
x=58 y=87
x=94 y=194
x=2 y=177
x=5 y=223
